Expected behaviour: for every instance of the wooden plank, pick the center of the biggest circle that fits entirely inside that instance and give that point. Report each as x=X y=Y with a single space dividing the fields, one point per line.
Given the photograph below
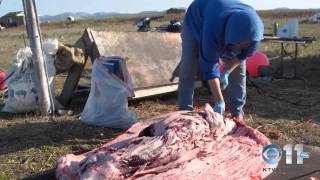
x=72 y=80
x=142 y=93
x=159 y=90
x=86 y=42
x=70 y=85
x=151 y=57
x=89 y=45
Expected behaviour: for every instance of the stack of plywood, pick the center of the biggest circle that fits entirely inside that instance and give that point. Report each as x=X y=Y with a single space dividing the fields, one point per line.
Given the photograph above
x=152 y=58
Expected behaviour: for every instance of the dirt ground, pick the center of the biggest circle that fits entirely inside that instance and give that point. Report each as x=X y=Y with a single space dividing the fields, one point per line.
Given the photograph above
x=287 y=110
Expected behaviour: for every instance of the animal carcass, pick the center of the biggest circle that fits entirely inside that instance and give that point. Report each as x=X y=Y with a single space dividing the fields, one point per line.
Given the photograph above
x=179 y=145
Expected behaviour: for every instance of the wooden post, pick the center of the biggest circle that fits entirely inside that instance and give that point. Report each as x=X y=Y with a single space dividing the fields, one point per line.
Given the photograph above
x=41 y=80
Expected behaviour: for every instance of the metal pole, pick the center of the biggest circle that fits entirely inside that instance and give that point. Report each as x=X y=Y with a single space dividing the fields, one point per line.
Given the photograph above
x=295 y=60
x=282 y=56
x=38 y=60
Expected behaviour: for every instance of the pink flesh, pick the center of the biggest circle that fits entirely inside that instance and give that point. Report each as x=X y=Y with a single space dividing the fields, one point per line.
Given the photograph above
x=178 y=145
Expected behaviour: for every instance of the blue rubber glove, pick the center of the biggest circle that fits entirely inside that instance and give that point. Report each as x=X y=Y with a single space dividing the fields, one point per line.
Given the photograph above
x=219 y=107
x=224 y=80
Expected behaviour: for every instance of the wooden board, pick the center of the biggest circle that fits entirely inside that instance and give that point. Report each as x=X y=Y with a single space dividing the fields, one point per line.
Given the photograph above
x=83 y=91
x=151 y=57
x=152 y=60
x=73 y=78
x=159 y=90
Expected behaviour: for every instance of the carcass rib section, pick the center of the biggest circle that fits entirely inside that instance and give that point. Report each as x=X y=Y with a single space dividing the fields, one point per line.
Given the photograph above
x=179 y=145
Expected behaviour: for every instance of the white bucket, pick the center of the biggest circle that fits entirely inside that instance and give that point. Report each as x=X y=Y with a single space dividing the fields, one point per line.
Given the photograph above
x=290 y=30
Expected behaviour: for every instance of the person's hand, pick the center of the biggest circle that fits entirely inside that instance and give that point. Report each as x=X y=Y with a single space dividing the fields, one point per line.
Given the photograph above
x=224 y=80
x=219 y=107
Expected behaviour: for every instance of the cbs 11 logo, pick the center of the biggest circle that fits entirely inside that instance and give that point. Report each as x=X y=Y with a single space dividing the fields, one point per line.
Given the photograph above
x=272 y=153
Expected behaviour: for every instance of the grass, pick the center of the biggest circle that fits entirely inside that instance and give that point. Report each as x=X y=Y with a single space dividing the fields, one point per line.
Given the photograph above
x=30 y=144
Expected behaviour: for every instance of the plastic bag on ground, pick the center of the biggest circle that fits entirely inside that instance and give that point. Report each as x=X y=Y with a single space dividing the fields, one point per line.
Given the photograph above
x=22 y=91
x=50 y=48
x=107 y=104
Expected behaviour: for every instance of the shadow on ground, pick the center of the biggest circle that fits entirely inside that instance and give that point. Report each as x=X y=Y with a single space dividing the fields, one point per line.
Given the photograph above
x=288 y=109
x=294 y=99
x=47 y=175
x=57 y=133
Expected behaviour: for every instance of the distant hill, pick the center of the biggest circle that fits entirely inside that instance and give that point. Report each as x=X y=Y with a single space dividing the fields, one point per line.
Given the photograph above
x=63 y=16
x=281 y=8
x=98 y=15
x=282 y=12
x=287 y=13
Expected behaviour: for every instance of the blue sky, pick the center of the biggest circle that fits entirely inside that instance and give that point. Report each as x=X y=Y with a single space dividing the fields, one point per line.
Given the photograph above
x=52 y=7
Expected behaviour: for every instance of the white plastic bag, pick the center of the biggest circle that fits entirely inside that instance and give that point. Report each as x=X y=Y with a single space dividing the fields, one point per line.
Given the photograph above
x=50 y=49
x=107 y=104
x=22 y=91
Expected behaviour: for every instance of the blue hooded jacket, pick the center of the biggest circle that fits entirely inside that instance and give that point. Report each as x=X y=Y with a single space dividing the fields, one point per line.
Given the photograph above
x=217 y=23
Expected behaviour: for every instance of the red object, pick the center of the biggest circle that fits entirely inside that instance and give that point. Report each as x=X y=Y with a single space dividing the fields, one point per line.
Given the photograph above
x=253 y=63
x=221 y=65
x=3 y=84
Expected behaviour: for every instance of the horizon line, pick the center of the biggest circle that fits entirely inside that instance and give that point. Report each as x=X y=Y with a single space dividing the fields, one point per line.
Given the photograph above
x=91 y=13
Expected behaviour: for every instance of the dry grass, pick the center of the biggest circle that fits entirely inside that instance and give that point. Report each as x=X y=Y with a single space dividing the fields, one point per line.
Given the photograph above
x=30 y=144
x=292 y=13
